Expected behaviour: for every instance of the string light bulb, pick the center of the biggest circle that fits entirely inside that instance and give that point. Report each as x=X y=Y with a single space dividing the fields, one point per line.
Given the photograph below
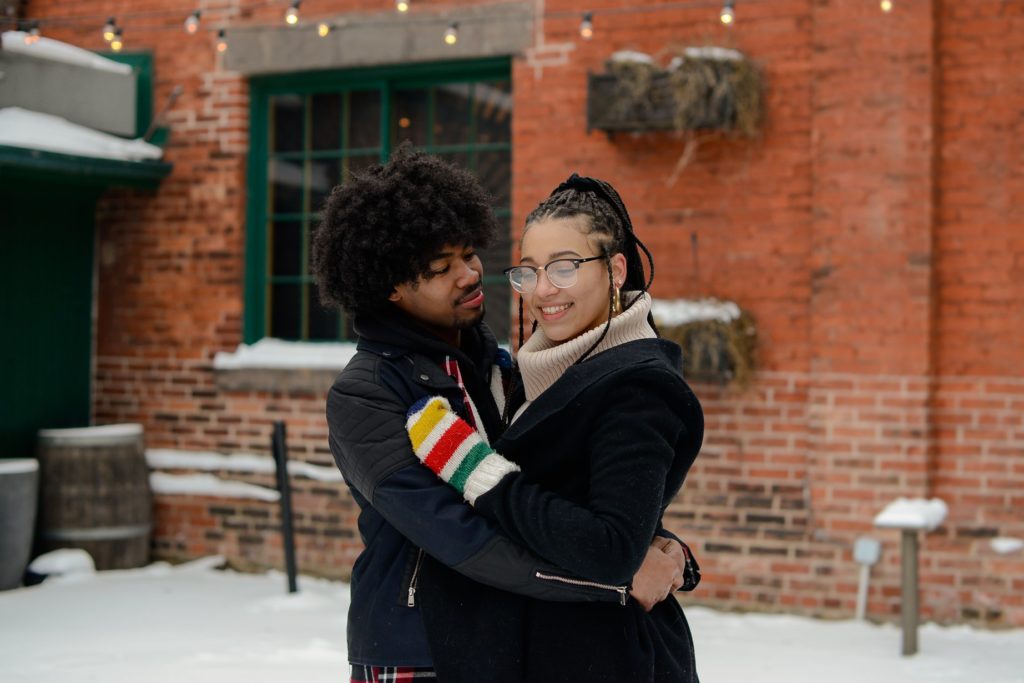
x=728 y=15
x=118 y=42
x=402 y=6
x=587 y=26
x=109 y=29
x=222 y=41
x=322 y=29
x=451 y=34
x=291 y=17
x=886 y=5
x=192 y=23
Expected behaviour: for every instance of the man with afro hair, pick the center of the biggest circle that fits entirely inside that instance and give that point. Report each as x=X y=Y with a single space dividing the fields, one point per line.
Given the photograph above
x=397 y=249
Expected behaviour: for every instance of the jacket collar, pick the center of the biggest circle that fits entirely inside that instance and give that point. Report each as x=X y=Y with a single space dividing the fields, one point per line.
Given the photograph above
x=392 y=333
x=578 y=378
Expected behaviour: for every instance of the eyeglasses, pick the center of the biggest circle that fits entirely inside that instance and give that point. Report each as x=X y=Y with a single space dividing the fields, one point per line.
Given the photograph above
x=561 y=273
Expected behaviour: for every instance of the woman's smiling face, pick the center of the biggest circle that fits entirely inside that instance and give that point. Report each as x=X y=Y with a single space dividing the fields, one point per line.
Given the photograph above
x=564 y=314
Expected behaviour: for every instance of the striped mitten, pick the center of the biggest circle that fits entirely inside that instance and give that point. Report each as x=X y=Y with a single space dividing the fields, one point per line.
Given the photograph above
x=450 y=447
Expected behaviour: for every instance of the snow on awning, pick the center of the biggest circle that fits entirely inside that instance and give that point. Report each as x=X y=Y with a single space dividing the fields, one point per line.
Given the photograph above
x=33 y=130
x=58 y=51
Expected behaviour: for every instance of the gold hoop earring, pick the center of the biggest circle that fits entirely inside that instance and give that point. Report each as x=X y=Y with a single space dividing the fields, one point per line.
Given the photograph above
x=617 y=302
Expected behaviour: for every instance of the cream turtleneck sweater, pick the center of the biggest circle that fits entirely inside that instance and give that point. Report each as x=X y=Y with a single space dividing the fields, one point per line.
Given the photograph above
x=542 y=361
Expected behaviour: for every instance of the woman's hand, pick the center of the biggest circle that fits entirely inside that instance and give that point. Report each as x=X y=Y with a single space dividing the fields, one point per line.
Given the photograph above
x=660 y=574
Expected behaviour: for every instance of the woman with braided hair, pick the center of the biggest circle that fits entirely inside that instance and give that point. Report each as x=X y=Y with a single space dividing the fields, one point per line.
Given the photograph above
x=603 y=430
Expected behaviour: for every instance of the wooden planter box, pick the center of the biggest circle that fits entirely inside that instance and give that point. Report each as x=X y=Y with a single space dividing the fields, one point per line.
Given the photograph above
x=716 y=351
x=684 y=99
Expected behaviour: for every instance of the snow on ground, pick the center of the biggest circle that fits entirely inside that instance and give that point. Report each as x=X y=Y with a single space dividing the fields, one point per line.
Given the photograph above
x=195 y=623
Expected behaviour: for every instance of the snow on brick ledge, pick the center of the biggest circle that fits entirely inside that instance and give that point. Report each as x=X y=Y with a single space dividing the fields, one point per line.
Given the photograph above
x=207 y=485
x=1004 y=545
x=912 y=513
x=170 y=459
x=278 y=354
x=671 y=312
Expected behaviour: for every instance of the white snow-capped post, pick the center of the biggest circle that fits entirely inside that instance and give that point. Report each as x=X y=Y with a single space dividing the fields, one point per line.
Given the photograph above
x=910 y=516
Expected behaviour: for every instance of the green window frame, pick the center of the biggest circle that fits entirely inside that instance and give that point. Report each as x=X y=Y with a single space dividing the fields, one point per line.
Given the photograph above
x=272 y=221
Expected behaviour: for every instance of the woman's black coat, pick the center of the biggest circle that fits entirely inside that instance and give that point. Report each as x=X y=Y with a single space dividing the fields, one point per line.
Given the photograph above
x=603 y=451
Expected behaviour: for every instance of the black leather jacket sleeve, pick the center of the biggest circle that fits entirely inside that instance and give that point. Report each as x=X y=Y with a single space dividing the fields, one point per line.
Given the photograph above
x=370 y=445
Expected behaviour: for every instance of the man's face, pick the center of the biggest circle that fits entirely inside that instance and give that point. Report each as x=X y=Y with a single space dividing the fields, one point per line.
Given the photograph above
x=450 y=297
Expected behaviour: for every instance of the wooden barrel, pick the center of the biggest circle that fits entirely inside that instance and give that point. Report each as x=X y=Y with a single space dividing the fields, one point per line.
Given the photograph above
x=94 y=494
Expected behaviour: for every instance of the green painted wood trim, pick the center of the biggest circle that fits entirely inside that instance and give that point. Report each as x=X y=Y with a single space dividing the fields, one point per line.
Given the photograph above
x=31 y=164
x=254 y=315
x=386 y=79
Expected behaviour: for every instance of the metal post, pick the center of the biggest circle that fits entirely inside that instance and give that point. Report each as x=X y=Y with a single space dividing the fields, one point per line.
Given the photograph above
x=908 y=561
x=280 y=449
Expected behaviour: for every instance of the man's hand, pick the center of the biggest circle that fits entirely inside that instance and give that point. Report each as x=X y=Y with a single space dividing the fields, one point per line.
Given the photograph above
x=660 y=574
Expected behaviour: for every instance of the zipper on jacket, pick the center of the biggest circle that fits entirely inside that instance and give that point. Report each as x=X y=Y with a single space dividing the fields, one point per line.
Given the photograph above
x=414 y=579
x=623 y=591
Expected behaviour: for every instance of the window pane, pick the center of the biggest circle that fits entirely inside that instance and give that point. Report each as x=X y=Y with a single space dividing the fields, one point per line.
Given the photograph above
x=451 y=114
x=287 y=113
x=323 y=322
x=357 y=164
x=409 y=117
x=363 y=119
x=286 y=248
x=495 y=172
x=286 y=307
x=326 y=121
x=460 y=159
x=285 y=186
x=324 y=175
x=497 y=292
x=493 y=103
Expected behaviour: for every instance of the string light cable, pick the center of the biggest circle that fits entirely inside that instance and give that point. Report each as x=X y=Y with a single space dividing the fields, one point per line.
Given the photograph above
x=449 y=27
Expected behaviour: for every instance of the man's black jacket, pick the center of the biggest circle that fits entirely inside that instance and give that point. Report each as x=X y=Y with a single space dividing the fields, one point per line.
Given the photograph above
x=406 y=511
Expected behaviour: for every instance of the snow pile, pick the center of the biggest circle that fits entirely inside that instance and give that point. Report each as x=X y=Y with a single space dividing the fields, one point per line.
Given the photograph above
x=272 y=353
x=169 y=459
x=33 y=130
x=671 y=312
x=57 y=51
x=912 y=513
x=631 y=57
x=100 y=434
x=207 y=485
x=65 y=562
x=1005 y=545
x=717 y=54
x=19 y=466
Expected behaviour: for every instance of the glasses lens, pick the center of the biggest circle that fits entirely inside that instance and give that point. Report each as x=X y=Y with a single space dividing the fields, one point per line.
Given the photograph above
x=522 y=279
x=562 y=273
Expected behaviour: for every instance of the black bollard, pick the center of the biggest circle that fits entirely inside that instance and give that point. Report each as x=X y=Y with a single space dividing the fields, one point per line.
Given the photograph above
x=280 y=449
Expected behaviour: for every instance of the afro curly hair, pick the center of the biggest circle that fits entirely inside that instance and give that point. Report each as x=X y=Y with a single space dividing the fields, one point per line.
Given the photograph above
x=383 y=227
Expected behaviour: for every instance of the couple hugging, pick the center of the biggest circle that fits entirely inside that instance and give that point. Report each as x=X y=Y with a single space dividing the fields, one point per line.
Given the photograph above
x=511 y=511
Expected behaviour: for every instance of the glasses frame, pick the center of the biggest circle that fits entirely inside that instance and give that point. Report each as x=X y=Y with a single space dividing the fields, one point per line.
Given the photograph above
x=576 y=262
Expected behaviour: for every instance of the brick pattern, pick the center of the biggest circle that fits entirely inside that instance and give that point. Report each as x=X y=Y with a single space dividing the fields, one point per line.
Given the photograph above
x=872 y=230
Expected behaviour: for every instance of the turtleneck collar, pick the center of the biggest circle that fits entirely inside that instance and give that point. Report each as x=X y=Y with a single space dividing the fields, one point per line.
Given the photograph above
x=542 y=361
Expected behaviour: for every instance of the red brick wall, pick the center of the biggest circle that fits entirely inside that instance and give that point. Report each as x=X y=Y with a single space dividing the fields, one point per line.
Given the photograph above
x=872 y=229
